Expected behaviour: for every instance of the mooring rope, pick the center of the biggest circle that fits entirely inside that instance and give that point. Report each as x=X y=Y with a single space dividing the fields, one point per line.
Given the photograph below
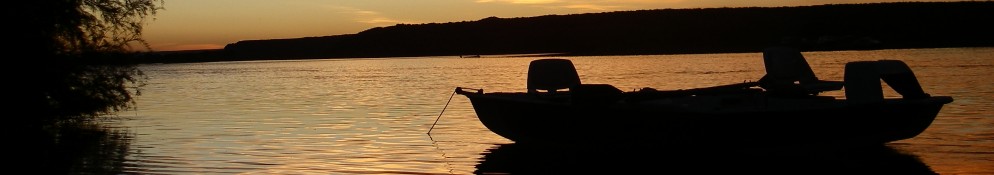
x=443 y=111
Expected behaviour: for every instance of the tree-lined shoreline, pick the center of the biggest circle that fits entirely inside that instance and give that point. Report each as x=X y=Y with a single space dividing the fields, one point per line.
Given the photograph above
x=661 y=31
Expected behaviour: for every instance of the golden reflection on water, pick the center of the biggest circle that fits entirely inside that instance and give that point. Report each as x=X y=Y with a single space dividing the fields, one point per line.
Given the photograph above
x=357 y=116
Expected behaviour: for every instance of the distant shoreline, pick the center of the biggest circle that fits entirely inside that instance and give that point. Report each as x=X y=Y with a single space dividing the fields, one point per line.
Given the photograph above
x=875 y=26
x=176 y=56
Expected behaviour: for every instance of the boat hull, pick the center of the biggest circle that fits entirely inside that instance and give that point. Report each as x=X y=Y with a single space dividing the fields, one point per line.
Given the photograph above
x=537 y=121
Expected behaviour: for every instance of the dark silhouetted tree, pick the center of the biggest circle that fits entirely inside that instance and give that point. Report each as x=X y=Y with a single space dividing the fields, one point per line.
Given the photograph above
x=67 y=58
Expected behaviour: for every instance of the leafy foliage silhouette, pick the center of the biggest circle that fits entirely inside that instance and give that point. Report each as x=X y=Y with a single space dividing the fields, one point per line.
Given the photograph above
x=73 y=53
x=68 y=63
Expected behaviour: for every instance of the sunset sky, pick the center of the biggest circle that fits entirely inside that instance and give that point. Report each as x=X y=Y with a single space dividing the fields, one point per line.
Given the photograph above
x=211 y=24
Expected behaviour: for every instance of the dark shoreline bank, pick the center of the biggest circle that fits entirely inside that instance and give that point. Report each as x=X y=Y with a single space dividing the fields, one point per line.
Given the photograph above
x=202 y=56
x=875 y=26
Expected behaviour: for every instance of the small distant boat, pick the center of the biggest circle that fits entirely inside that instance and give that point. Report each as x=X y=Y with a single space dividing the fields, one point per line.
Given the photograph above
x=783 y=107
x=469 y=56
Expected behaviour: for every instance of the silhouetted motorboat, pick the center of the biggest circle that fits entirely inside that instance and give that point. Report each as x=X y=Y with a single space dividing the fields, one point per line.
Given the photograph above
x=783 y=107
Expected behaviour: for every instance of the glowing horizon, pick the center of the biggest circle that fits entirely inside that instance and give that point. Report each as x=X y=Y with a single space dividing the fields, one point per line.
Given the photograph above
x=196 y=25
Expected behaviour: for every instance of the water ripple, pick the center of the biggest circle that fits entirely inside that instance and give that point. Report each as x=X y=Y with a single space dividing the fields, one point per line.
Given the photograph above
x=371 y=116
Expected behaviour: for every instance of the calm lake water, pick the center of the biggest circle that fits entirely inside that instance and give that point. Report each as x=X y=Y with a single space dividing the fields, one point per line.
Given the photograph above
x=371 y=116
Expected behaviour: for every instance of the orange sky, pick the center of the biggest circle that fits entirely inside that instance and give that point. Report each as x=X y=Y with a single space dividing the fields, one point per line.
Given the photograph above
x=211 y=24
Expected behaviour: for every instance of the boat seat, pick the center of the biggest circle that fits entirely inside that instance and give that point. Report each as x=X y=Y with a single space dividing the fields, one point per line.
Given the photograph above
x=863 y=81
x=551 y=75
x=788 y=74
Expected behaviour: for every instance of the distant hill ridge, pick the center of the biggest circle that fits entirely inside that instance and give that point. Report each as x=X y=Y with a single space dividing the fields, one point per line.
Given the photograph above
x=661 y=31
